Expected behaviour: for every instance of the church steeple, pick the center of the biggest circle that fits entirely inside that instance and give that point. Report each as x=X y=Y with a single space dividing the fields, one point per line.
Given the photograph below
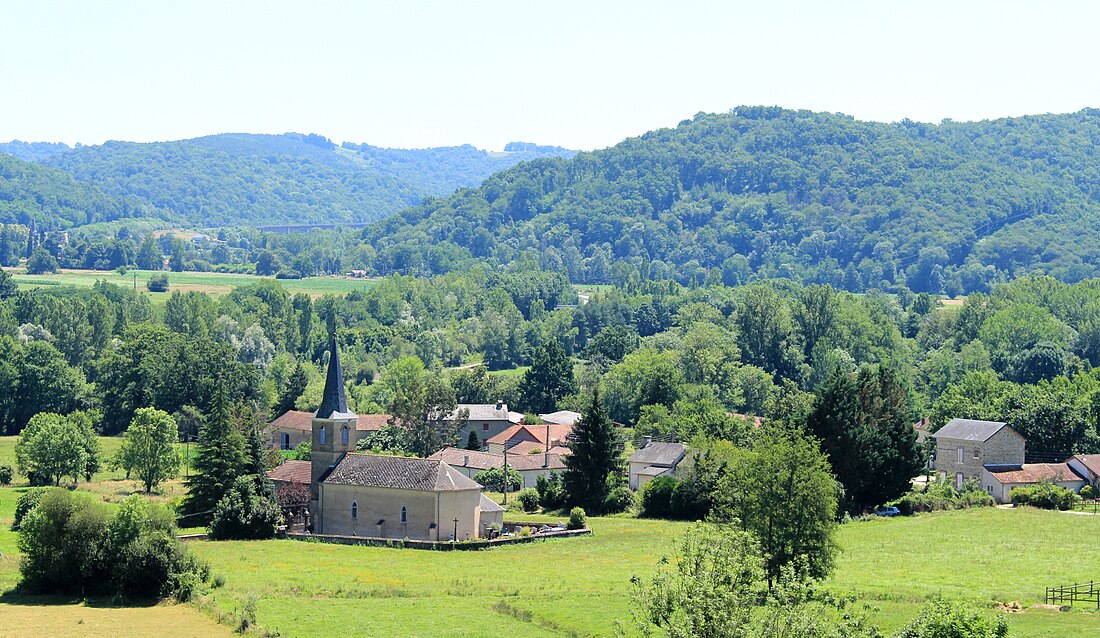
x=334 y=400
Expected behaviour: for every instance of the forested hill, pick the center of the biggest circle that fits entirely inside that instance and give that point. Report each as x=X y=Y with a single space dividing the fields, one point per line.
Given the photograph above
x=763 y=191
x=240 y=179
x=49 y=198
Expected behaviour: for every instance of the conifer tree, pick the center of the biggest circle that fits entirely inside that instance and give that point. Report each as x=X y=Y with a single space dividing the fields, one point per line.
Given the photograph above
x=295 y=386
x=595 y=458
x=220 y=460
x=473 y=441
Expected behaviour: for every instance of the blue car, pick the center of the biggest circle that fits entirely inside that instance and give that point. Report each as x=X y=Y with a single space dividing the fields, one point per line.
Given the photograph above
x=888 y=511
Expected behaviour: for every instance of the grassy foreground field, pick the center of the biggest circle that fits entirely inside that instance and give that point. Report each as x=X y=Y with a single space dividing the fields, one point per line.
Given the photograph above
x=581 y=587
x=208 y=282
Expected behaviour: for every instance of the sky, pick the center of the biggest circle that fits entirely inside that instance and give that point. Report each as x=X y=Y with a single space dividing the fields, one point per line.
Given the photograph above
x=583 y=75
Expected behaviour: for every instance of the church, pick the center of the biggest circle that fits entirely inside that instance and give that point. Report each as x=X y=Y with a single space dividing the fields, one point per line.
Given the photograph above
x=356 y=494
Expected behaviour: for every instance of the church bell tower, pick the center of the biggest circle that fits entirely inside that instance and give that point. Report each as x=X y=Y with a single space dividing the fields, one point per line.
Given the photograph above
x=334 y=427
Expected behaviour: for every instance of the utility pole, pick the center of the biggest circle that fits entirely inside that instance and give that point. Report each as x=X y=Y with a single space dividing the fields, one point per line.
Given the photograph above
x=506 y=473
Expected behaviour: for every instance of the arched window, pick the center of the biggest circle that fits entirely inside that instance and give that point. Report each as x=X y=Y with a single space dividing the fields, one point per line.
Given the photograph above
x=404 y=516
x=354 y=509
x=344 y=435
x=323 y=438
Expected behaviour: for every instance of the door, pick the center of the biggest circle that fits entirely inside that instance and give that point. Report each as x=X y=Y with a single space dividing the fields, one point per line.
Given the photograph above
x=958 y=480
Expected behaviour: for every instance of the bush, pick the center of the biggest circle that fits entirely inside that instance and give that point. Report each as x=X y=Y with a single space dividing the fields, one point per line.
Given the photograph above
x=551 y=492
x=244 y=513
x=6 y=473
x=620 y=499
x=941 y=495
x=1044 y=495
x=493 y=479
x=656 y=497
x=941 y=619
x=1087 y=492
x=577 y=518
x=528 y=500
x=27 y=502
x=158 y=283
x=71 y=544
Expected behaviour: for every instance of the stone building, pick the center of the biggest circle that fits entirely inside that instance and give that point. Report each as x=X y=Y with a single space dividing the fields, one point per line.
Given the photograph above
x=964 y=446
x=384 y=496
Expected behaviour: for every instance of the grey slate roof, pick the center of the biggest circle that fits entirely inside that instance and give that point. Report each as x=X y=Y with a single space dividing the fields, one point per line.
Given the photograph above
x=397 y=472
x=489 y=505
x=563 y=417
x=969 y=430
x=334 y=402
x=485 y=412
x=667 y=454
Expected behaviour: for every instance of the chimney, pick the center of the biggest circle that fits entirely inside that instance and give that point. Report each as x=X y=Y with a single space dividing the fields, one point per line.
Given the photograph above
x=500 y=404
x=646 y=440
x=465 y=460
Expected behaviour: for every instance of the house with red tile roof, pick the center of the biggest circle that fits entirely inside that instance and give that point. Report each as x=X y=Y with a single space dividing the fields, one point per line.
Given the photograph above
x=546 y=434
x=529 y=466
x=1000 y=480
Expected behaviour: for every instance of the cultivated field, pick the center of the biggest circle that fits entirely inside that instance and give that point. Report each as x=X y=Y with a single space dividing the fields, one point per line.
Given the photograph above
x=581 y=587
x=208 y=282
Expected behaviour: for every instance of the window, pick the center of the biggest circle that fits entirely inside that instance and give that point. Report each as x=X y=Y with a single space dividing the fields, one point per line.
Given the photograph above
x=354 y=510
x=958 y=480
x=404 y=516
x=960 y=454
x=484 y=427
x=977 y=453
x=322 y=435
x=286 y=441
x=344 y=435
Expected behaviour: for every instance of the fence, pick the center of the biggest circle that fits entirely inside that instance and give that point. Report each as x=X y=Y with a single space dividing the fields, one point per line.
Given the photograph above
x=1086 y=593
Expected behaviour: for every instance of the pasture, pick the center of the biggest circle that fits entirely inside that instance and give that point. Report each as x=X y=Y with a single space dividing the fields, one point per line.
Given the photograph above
x=209 y=282
x=581 y=587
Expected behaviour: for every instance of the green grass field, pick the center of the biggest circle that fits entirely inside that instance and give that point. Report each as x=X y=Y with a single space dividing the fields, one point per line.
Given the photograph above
x=581 y=587
x=209 y=282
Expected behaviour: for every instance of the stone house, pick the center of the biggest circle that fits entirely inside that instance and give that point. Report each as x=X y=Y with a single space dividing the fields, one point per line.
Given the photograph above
x=965 y=446
x=529 y=466
x=999 y=480
x=654 y=459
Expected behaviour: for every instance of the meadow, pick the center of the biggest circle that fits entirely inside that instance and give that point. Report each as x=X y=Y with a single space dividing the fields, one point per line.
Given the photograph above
x=581 y=587
x=209 y=282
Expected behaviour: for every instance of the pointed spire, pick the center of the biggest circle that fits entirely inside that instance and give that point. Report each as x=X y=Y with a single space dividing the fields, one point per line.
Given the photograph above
x=334 y=399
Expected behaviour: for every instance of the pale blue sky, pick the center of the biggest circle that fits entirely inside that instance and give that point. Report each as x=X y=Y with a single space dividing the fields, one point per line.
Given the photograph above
x=578 y=74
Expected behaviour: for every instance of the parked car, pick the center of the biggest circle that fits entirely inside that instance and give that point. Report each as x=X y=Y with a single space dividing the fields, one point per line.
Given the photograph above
x=888 y=511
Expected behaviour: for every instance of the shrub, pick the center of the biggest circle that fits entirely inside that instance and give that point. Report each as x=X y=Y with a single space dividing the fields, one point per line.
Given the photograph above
x=656 y=497
x=551 y=492
x=6 y=473
x=528 y=500
x=158 y=283
x=941 y=495
x=493 y=479
x=243 y=513
x=1044 y=495
x=1087 y=492
x=941 y=618
x=27 y=502
x=620 y=499
x=71 y=544
x=577 y=518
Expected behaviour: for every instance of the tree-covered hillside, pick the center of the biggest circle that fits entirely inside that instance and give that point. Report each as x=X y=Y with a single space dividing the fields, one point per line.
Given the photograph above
x=49 y=198
x=239 y=179
x=768 y=192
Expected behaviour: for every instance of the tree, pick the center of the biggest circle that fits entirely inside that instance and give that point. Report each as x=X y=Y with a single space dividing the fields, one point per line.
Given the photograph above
x=295 y=386
x=644 y=377
x=51 y=447
x=423 y=406
x=149 y=256
x=158 y=283
x=865 y=426
x=41 y=262
x=595 y=458
x=244 y=513
x=473 y=442
x=267 y=263
x=549 y=378
x=220 y=460
x=8 y=287
x=149 y=447
x=175 y=262
x=784 y=494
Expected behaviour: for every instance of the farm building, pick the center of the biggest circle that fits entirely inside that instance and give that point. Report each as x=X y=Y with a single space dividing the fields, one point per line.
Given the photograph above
x=655 y=459
x=1088 y=466
x=383 y=496
x=999 y=480
x=965 y=446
